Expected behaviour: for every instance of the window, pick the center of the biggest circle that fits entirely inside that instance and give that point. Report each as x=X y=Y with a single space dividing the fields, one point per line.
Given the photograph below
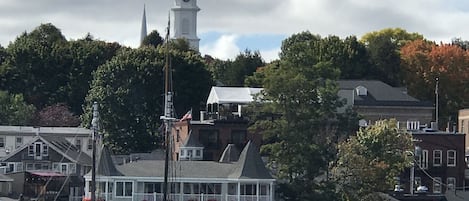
x=123 y=189
x=197 y=152
x=31 y=150
x=451 y=156
x=418 y=181
x=183 y=152
x=45 y=150
x=73 y=168
x=29 y=166
x=189 y=153
x=436 y=157
x=238 y=137
x=423 y=162
x=185 y=26
x=451 y=183
x=2 y=142
x=177 y=135
x=19 y=142
x=90 y=144
x=152 y=188
x=437 y=185
x=248 y=189
x=63 y=168
x=209 y=138
x=78 y=143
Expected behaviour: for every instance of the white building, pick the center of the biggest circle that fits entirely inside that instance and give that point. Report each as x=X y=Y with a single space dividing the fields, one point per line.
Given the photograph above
x=184 y=13
x=245 y=179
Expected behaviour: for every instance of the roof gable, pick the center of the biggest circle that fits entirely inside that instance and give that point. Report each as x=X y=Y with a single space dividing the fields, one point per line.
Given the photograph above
x=250 y=165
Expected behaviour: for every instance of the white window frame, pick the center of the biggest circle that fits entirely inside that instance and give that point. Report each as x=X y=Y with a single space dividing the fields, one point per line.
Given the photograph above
x=440 y=158
x=31 y=150
x=449 y=158
x=78 y=144
x=45 y=149
x=90 y=144
x=437 y=185
x=124 y=184
x=423 y=162
x=20 y=143
x=450 y=183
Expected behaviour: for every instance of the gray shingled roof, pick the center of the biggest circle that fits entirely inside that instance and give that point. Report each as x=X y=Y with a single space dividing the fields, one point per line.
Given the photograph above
x=192 y=141
x=230 y=154
x=250 y=165
x=380 y=94
x=64 y=146
x=105 y=166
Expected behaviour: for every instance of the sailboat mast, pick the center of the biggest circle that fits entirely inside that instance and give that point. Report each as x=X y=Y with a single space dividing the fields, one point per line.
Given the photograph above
x=94 y=125
x=168 y=111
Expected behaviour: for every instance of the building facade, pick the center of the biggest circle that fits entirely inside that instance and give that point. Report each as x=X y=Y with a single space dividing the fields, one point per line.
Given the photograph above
x=375 y=100
x=244 y=179
x=440 y=163
x=184 y=21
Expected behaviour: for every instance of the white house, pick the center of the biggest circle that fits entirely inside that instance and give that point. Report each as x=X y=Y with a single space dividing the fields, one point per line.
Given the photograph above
x=245 y=179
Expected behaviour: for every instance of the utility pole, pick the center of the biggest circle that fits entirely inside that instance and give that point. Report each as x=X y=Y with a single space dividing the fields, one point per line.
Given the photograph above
x=94 y=125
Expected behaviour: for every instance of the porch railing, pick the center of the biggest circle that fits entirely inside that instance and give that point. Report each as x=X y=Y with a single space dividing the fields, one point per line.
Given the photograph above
x=199 y=197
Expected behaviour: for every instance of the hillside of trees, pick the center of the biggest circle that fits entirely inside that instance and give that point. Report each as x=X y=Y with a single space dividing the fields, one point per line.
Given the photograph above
x=47 y=80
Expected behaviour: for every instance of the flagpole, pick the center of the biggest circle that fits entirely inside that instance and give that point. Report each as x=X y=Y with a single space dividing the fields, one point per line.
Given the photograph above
x=436 y=101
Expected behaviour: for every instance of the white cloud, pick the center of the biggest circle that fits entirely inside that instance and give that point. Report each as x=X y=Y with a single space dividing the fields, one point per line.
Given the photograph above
x=223 y=48
x=270 y=55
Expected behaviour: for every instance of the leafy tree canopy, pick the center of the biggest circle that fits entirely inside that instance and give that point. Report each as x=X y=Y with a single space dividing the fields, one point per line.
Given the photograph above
x=425 y=61
x=369 y=161
x=57 y=115
x=153 y=39
x=298 y=118
x=383 y=48
x=14 y=110
x=129 y=89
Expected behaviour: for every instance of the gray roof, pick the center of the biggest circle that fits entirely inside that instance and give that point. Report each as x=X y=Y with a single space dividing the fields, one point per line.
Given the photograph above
x=105 y=166
x=250 y=165
x=63 y=146
x=380 y=94
x=60 y=145
x=230 y=154
x=192 y=141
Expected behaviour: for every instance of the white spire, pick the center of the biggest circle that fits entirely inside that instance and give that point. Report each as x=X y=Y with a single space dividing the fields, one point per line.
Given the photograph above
x=143 y=31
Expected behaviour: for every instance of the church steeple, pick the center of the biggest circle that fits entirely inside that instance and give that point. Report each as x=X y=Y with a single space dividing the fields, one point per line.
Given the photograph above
x=143 y=31
x=185 y=21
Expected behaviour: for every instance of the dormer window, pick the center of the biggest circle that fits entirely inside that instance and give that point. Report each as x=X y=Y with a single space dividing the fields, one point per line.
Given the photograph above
x=361 y=91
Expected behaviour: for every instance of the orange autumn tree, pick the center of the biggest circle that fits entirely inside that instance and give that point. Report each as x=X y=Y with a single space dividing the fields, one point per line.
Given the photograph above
x=423 y=62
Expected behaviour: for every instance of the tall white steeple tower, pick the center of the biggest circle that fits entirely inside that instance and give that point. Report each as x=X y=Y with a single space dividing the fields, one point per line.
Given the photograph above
x=143 y=31
x=185 y=21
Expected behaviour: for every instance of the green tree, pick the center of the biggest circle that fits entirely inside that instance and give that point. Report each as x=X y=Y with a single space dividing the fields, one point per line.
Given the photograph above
x=298 y=118
x=3 y=55
x=129 y=89
x=14 y=110
x=153 y=39
x=383 y=47
x=369 y=161
x=84 y=57
x=34 y=58
x=245 y=64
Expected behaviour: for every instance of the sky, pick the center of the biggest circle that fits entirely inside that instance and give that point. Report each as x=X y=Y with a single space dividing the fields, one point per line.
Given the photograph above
x=228 y=27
